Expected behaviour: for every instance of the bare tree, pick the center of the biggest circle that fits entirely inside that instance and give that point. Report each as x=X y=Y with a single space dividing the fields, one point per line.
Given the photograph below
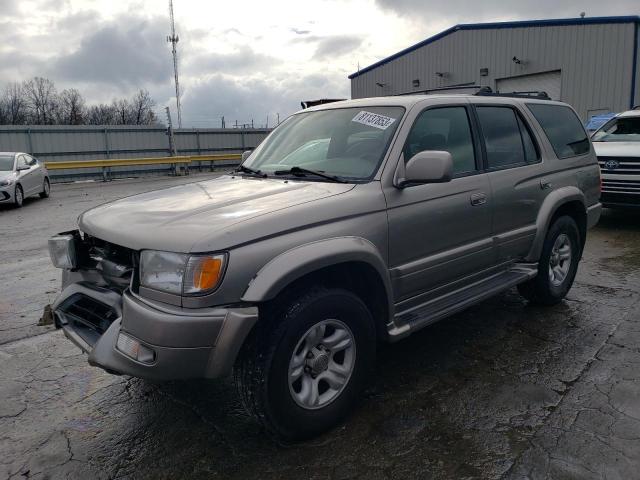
x=36 y=102
x=122 y=112
x=71 y=108
x=13 y=105
x=141 y=106
x=41 y=100
x=101 y=114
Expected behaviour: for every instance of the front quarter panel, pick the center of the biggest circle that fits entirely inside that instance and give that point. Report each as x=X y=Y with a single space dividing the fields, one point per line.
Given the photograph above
x=300 y=261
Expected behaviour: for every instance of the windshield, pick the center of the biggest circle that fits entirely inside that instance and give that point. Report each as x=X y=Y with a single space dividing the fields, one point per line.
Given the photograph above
x=6 y=163
x=348 y=142
x=621 y=129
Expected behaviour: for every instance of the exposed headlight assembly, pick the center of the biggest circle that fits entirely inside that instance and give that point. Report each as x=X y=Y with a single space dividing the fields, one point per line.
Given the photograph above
x=179 y=273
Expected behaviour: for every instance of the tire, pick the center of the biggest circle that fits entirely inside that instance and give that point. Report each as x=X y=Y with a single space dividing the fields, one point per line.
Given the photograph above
x=548 y=287
x=18 y=197
x=271 y=358
x=46 y=189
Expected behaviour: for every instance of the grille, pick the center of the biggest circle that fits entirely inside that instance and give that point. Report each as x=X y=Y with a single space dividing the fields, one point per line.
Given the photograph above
x=631 y=187
x=116 y=263
x=87 y=316
x=624 y=165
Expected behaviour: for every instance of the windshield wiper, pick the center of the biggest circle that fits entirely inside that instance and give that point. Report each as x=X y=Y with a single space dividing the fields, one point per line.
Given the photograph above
x=250 y=171
x=303 y=172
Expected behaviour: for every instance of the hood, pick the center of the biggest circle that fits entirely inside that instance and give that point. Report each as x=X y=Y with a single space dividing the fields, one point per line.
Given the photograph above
x=617 y=149
x=177 y=218
x=5 y=175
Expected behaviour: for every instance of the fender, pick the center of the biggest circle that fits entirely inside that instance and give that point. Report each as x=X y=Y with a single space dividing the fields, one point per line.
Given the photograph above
x=304 y=259
x=550 y=205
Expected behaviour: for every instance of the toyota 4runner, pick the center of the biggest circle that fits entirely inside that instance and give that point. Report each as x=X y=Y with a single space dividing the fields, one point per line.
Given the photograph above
x=617 y=145
x=352 y=223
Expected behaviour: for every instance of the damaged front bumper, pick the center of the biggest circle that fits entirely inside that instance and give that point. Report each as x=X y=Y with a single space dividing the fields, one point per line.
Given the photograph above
x=126 y=334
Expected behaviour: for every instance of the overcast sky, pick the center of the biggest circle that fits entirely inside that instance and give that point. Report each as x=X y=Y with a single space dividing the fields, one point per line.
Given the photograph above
x=241 y=59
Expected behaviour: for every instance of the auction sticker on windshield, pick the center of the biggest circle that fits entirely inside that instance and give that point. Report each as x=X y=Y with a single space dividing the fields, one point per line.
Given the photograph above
x=373 y=120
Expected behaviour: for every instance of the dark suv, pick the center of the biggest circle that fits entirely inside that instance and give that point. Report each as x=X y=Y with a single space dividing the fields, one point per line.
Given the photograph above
x=352 y=223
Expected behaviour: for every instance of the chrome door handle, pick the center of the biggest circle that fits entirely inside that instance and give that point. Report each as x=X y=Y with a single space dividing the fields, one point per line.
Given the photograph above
x=478 y=199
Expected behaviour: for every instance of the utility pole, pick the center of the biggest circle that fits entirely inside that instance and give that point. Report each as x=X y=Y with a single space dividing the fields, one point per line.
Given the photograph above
x=173 y=39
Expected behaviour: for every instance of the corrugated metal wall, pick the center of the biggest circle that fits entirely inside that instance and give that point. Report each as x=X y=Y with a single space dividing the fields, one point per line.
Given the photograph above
x=68 y=143
x=596 y=62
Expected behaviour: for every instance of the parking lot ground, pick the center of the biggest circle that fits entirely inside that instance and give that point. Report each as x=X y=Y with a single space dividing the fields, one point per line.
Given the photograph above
x=502 y=390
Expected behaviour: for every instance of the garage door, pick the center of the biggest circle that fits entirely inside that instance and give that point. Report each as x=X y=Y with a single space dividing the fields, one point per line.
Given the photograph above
x=549 y=82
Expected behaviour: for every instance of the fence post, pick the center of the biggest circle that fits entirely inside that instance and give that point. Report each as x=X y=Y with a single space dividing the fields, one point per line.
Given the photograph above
x=30 y=141
x=198 y=147
x=106 y=171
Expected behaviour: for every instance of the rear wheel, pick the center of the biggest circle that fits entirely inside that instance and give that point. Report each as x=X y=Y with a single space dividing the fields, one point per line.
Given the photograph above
x=305 y=365
x=46 y=189
x=18 y=197
x=558 y=264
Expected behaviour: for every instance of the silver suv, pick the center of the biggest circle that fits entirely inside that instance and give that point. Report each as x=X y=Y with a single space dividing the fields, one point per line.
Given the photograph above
x=352 y=223
x=617 y=145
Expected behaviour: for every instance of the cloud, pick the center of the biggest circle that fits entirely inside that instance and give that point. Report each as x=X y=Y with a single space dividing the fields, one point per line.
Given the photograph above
x=331 y=46
x=243 y=60
x=337 y=46
x=127 y=52
x=255 y=98
x=459 y=11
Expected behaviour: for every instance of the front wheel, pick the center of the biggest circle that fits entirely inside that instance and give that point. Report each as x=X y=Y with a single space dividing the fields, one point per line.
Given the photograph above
x=18 y=197
x=305 y=365
x=558 y=264
x=46 y=189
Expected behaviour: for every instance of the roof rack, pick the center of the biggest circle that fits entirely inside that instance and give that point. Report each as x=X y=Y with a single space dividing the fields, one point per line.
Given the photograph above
x=439 y=89
x=537 y=94
x=482 y=91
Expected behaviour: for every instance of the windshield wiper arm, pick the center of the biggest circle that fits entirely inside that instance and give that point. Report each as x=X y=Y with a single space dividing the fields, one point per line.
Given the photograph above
x=250 y=171
x=299 y=171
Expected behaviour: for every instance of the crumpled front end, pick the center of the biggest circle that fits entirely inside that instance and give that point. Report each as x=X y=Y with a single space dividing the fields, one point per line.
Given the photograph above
x=101 y=311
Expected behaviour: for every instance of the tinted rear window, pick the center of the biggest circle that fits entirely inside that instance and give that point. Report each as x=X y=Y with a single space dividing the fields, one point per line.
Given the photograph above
x=563 y=129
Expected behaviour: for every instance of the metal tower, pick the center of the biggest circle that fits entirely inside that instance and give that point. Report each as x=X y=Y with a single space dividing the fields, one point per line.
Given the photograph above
x=173 y=39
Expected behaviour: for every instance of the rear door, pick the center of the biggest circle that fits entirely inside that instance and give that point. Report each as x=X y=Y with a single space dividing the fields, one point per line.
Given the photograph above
x=37 y=172
x=440 y=233
x=515 y=171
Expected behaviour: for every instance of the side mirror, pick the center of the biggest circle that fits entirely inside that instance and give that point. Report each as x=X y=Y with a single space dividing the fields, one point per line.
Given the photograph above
x=22 y=167
x=430 y=166
x=245 y=155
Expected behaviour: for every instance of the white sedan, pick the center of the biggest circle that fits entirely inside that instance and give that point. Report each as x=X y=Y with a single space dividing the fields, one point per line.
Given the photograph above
x=21 y=176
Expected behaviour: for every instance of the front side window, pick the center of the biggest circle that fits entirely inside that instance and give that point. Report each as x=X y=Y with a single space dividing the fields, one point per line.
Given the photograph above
x=563 y=129
x=346 y=142
x=22 y=162
x=621 y=129
x=507 y=139
x=6 y=163
x=446 y=129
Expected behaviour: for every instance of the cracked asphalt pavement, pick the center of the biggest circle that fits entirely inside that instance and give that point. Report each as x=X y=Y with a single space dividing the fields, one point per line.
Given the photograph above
x=502 y=390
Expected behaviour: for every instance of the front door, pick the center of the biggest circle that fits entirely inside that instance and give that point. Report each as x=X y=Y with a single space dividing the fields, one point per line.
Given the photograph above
x=26 y=176
x=440 y=233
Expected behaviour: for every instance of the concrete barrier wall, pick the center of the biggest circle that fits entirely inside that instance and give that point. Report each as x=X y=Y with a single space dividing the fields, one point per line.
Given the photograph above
x=88 y=142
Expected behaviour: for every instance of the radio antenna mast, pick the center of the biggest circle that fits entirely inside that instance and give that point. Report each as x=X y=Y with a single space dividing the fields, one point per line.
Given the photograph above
x=173 y=39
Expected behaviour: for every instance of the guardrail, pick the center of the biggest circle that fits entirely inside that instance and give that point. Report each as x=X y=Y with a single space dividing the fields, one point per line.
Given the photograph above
x=182 y=161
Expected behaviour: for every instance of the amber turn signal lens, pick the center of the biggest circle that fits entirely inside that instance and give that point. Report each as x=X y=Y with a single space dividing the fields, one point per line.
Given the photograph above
x=207 y=273
x=203 y=273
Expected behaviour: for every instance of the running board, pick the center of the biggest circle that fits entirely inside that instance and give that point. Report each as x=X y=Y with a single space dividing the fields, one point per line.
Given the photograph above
x=438 y=308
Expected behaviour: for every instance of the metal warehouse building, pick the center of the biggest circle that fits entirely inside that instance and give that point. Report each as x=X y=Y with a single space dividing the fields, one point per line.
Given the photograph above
x=590 y=63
